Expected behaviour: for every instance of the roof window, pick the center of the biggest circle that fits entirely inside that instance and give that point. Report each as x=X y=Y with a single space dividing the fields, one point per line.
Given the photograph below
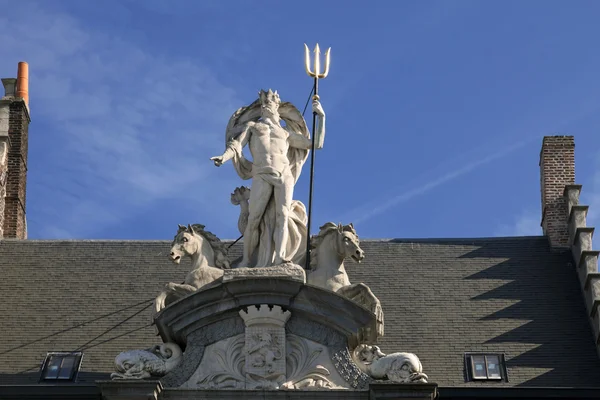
x=61 y=366
x=485 y=367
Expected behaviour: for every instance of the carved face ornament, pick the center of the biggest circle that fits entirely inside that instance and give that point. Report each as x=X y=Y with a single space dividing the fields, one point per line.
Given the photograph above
x=240 y=195
x=367 y=354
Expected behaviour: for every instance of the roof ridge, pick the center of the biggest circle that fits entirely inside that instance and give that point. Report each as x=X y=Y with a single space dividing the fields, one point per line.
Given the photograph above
x=397 y=240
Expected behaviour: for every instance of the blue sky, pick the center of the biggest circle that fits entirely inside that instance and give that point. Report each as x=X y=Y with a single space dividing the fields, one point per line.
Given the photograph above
x=436 y=110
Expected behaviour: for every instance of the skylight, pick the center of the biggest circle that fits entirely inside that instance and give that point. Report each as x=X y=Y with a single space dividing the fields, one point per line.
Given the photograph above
x=482 y=366
x=61 y=366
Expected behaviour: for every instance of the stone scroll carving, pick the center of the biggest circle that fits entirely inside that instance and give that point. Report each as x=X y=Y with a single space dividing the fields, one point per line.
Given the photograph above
x=225 y=365
x=309 y=366
x=156 y=361
x=266 y=357
x=222 y=367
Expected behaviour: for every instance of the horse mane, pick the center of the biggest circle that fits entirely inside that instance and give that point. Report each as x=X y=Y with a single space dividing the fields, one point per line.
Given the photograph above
x=324 y=231
x=221 y=260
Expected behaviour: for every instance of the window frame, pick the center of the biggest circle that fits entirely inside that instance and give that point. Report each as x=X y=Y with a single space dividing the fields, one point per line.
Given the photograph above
x=62 y=355
x=470 y=367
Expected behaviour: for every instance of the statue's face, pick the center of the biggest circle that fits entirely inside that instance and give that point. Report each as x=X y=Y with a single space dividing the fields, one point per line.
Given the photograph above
x=351 y=247
x=269 y=103
x=184 y=244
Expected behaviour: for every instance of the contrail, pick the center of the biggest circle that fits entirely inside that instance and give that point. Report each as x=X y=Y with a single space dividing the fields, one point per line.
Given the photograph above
x=437 y=182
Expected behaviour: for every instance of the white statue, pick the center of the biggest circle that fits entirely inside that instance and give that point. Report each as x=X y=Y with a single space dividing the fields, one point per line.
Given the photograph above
x=278 y=154
x=296 y=243
x=329 y=249
x=142 y=364
x=206 y=251
x=397 y=367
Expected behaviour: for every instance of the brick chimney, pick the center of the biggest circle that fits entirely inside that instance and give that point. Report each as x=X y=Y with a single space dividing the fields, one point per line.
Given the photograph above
x=14 y=124
x=557 y=170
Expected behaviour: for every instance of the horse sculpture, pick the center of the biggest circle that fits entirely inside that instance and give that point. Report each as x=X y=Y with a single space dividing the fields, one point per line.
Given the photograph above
x=329 y=249
x=296 y=244
x=206 y=252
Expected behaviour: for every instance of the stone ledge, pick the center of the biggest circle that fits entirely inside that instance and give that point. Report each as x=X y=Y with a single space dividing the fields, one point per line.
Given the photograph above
x=583 y=230
x=572 y=188
x=592 y=293
x=285 y=271
x=577 y=209
x=122 y=389
x=390 y=390
x=588 y=279
x=223 y=301
x=330 y=394
x=577 y=219
x=586 y=265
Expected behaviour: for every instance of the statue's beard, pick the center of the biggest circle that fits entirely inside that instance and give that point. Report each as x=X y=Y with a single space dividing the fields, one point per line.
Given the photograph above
x=270 y=113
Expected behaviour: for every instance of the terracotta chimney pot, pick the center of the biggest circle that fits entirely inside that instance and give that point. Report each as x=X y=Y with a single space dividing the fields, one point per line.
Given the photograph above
x=23 y=81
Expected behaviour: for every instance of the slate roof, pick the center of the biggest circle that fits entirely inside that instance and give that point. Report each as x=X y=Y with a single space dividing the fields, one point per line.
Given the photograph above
x=441 y=298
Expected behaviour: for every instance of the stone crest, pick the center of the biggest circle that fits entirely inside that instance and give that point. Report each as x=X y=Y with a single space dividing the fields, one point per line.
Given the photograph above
x=265 y=344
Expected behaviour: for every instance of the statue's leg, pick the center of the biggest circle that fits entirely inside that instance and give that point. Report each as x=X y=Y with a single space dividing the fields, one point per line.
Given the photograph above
x=178 y=291
x=159 y=302
x=171 y=293
x=362 y=294
x=283 y=203
x=259 y=198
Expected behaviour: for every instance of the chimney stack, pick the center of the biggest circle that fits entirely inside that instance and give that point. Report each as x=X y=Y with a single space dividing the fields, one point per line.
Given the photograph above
x=14 y=126
x=557 y=170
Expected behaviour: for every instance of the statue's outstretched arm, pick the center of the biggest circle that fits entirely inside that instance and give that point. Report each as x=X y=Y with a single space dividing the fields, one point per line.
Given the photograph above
x=236 y=143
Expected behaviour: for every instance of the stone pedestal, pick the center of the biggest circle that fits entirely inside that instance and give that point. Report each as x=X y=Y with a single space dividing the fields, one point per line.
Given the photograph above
x=265 y=331
x=264 y=328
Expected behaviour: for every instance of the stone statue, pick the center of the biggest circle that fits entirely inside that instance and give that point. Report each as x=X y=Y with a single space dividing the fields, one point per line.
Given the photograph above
x=329 y=249
x=206 y=252
x=297 y=219
x=278 y=154
x=397 y=367
x=142 y=364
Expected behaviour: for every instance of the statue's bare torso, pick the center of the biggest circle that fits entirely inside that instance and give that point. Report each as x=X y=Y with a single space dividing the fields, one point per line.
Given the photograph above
x=268 y=145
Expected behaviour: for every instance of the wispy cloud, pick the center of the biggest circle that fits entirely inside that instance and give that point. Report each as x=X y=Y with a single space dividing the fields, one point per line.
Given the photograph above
x=525 y=224
x=410 y=194
x=123 y=127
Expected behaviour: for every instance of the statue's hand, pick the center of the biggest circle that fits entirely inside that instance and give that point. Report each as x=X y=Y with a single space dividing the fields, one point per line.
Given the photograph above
x=217 y=160
x=317 y=108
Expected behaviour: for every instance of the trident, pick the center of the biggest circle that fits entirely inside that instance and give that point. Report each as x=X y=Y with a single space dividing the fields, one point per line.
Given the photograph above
x=317 y=74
